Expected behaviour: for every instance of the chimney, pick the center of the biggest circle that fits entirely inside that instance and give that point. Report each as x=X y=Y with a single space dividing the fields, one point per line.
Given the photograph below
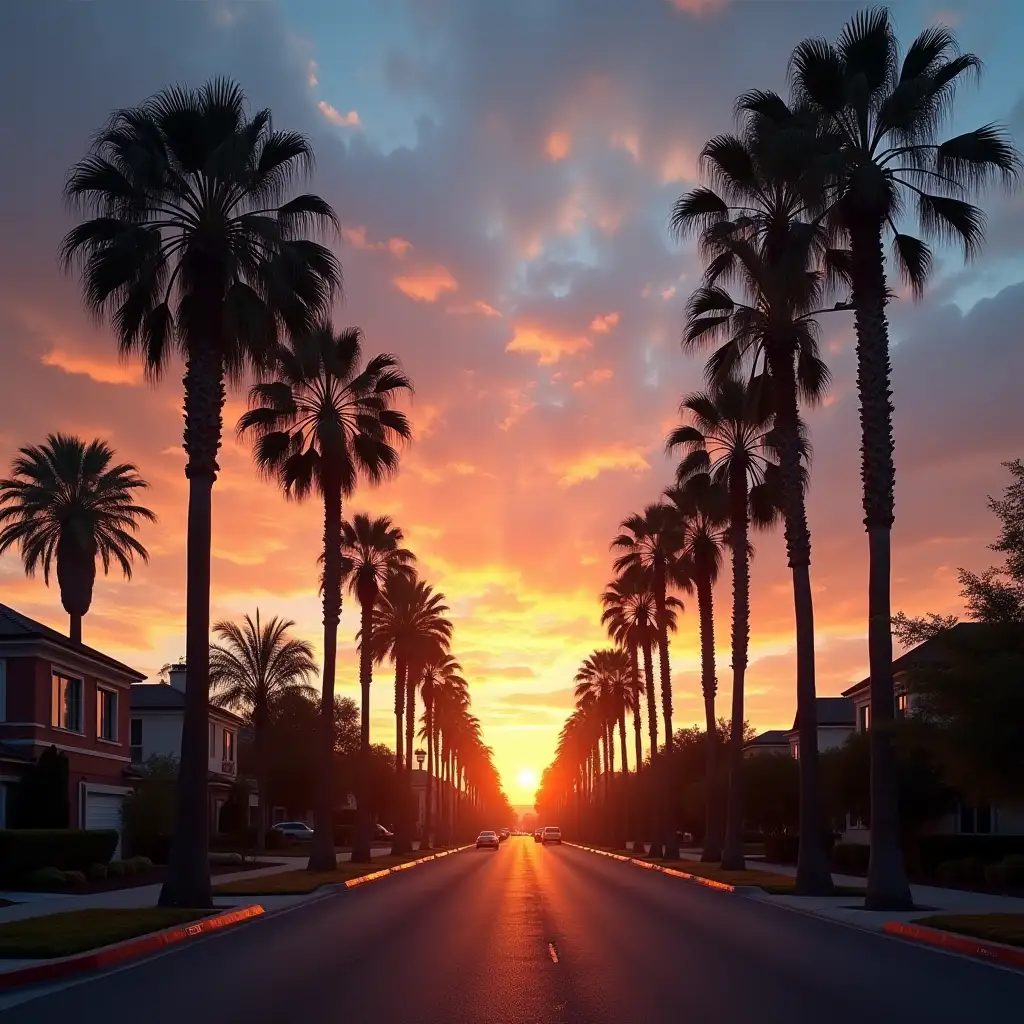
x=176 y=676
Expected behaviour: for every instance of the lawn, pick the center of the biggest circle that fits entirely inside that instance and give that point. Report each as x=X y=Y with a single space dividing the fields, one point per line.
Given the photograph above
x=79 y=930
x=778 y=885
x=1005 y=928
x=298 y=883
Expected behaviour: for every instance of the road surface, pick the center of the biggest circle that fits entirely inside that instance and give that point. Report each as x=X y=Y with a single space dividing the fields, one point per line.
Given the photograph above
x=475 y=938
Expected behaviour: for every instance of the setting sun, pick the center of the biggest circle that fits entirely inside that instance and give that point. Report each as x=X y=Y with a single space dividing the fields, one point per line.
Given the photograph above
x=527 y=778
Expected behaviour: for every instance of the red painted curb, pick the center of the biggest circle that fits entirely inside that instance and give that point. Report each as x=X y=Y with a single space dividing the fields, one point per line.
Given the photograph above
x=109 y=955
x=351 y=883
x=994 y=952
x=699 y=879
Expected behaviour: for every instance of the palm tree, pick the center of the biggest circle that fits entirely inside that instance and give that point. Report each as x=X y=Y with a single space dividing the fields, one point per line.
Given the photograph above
x=595 y=690
x=752 y=233
x=321 y=425
x=651 y=543
x=883 y=118
x=409 y=624
x=250 y=668
x=193 y=248
x=440 y=672
x=371 y=552
x=65 y=505
x=729 y=438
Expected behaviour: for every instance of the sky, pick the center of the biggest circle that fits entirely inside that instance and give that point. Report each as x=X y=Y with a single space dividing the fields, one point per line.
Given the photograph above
x=504 y=175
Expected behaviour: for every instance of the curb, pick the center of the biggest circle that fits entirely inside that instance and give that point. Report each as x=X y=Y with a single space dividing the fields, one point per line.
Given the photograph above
x=106 y=956
x=351 y=883
x=993 y=952
x=708 y=883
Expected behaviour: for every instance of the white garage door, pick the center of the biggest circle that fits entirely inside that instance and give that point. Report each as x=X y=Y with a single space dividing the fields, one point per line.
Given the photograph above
x=103 y=810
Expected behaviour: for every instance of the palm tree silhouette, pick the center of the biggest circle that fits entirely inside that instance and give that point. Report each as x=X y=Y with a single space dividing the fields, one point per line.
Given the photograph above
x=65 y=505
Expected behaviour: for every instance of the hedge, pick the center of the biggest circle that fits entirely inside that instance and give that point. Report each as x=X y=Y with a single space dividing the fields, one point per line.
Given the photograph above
x=782 y=849
x=25 y=850
x=926 y=853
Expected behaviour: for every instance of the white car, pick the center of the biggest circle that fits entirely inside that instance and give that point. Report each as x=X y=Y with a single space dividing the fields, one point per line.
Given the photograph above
x=297 y=831
x=487 y=840
x=551 y=834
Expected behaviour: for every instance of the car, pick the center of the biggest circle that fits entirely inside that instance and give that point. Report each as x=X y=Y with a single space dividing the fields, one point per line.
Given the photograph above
x=296 y=831
x=538 y=836
x=503 y=834
x=487 y=840
x=552 y=834
x=382 y=834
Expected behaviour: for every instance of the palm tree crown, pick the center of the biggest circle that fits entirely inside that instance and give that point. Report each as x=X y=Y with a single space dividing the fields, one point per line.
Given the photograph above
x=371 y=554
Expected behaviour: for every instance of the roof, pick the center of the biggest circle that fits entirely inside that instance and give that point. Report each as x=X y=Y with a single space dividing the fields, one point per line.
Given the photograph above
x=164 y=697
x=931 y=651
x=771 y=738
x=831 y=711
x=18 y=628
x=12 y=753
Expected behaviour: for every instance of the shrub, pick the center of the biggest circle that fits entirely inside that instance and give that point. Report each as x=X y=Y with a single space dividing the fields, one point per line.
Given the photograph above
x=931 y=851
x=851 y=858
x=45 y=878
x=1014 y=868
x=141 y=864
x=74 y=878
x=154 y=848
x=973 y=869
x=98 y=872
x=117 y=869
x=995 y=875
x=950 y=872
x=225 y=858
x=782 y=849
x=24 y=850
x=41 y=799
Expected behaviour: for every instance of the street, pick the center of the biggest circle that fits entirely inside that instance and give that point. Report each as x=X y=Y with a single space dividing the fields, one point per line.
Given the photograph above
x=538 y=935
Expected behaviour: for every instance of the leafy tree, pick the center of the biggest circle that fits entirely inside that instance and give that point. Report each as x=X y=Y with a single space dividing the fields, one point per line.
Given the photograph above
x=320 y=426
x=250 y=668
x=41 y=799
x=194 y=248
x=66 y=505
x=149 y=813
x=771 y=784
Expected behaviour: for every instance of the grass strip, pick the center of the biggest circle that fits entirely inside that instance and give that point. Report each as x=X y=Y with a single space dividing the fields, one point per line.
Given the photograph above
x=300 y=883
x=1005 y=928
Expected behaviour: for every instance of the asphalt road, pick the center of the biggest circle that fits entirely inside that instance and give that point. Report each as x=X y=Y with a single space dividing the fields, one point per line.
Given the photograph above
x=474 y=938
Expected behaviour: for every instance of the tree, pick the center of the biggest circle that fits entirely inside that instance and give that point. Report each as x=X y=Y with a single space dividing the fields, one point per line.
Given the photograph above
x=320 y=426
x=371 y=552
x=729 y=437
x=883 y=117
x=66 y=505
x=757 y=229
x=651 y=543
x=192 y=248
x=250 y=668
x=439 y=673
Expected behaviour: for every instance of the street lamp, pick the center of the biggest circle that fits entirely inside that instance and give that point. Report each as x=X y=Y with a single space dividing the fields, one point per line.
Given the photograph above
x=420 y=756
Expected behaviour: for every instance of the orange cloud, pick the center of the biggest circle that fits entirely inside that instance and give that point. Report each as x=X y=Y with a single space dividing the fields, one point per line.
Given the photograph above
x=594 y=377
x=604 y=324
x=427 y=285
x=99 y=370
x=481 y=307
x=629 y=141
x=311 y=74
x=591 y=465
x=698 y=7
x=356 y=237
x=678 y=164
x=548 y=346
x=667 y=293
x=519 y=404
x=336 y=117
x=558 y=145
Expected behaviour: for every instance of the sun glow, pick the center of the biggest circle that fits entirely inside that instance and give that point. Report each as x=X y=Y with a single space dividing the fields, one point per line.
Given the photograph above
x=527 y=778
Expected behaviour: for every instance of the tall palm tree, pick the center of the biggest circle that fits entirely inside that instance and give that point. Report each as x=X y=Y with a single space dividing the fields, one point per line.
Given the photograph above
x=728 y=436
x=66 y=505
x=441 y=671
x=409 y=625
x=751 y=231
x=251 y=666
x=371 y=552
x=195 y=247
x=883 y=117
x=651 y=543
x=595 y=689
x=323 y=423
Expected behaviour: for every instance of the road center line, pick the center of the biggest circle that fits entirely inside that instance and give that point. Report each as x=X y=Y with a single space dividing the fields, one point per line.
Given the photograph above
x=553 y=952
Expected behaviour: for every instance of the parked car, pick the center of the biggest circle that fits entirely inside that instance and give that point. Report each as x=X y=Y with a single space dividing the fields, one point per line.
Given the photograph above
x=296 y=831
x=380 y=832
x=552 y=834
x=487 y=840
x=538 y=836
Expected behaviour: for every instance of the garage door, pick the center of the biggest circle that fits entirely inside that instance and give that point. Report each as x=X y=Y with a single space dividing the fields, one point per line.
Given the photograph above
x=103 y=810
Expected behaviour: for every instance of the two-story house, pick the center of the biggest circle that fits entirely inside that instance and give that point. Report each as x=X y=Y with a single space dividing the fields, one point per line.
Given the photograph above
x=835 y=723
x=157 y=717
x=774 y=741
x=55 y=692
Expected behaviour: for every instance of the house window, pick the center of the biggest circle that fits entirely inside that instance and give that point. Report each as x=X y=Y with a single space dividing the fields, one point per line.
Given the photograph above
x=213 y=740
x=863 y=717
x=975 y=820
x=3 y=691
x=66 y=703
x=136 y=741
x=902 y=705
x=106 y=714
x=229 y=745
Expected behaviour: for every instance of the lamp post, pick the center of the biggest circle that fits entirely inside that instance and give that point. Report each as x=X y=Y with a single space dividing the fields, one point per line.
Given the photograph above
x=420 y=757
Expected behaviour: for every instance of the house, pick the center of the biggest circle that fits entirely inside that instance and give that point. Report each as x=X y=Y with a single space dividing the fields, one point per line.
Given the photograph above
x=157 y=717
x=836 y=721
x=58 y=693
x=965 y=819
x=774 y=741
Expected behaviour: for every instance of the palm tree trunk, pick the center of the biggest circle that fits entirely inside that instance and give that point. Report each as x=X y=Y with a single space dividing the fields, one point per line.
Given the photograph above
x=402 y=842
x=887 y=887
x=262 y=776
x=188 y=873
x=813 y=877
x=712 y=850
x=411 y=682
x=428 y=817
x=362 y=844
x=75 y=628
x=624 y=781
x=669 y=837
x=400 y=669
x=654 y=788
x=732 y=855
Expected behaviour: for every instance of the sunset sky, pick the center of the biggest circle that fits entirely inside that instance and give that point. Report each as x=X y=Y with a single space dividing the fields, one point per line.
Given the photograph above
x=504 y=173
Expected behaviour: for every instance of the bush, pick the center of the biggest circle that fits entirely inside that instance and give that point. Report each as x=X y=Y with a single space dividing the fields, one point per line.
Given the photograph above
x=245 y=840
x=41 y=799
x=154 y=848
x=24 y=850
x=950 y=872
x=782 y=849
x=117 y=869
x=45 y=878
x=98 y=872
x=973 y=869
x=224 y=858
x=74 y=878
x=141 y=864
x=930 y=851
x=1014 y=868
x=850 y=858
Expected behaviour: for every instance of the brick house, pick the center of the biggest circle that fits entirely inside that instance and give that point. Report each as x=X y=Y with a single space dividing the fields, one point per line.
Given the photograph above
x=54 y=692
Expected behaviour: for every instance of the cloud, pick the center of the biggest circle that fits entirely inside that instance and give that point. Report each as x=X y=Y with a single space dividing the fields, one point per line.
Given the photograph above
x=558 y=145
x=336 y=117
x=103 y=372
x=604 y=324
x=479 y=307
x=592 y=464
x=356 y=237
x=594 y=377
x=549 y=346
x=428 y=284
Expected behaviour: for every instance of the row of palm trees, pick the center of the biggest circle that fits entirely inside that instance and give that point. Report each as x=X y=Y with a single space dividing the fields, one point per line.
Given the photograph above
x=798 y=203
